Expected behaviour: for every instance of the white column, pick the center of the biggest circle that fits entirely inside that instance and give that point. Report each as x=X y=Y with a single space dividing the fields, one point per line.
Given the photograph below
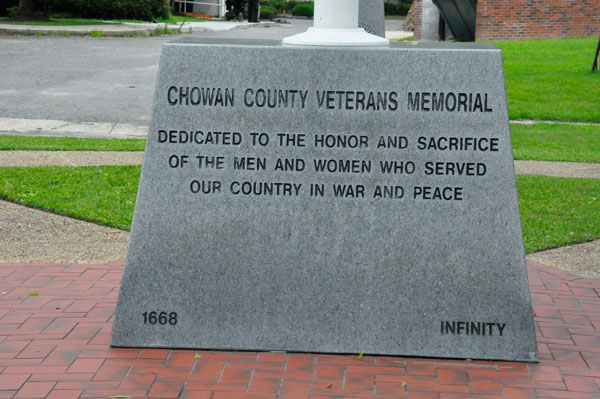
x=335 y=24
x=336 y=14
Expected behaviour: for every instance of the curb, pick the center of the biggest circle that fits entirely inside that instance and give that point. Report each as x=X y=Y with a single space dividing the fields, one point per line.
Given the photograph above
x=125 y=29
x=86 y=30
x=45 y=127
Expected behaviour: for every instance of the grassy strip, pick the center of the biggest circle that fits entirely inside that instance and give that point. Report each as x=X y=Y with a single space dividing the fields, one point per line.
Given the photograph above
x=556 y=142
x=552 y=79
x=557 y=211
x=540 y=142
x=104 y=195
x=61 y=22
x=554 y=211
x=27 y=143
x=175 y=19
x=54 y=21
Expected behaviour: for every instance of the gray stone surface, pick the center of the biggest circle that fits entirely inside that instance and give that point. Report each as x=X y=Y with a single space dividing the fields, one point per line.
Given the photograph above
x=430 y=21
x=371 y=16
x=328 y=274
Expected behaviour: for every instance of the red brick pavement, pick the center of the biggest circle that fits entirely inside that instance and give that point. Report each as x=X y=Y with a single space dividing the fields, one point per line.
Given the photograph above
x=55 y=324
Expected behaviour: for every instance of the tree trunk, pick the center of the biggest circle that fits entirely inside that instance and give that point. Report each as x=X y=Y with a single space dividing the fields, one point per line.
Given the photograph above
x=26 y=8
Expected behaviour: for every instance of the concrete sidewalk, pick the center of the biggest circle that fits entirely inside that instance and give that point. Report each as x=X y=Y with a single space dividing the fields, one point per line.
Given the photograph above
x=49 y=127
x=52 y=127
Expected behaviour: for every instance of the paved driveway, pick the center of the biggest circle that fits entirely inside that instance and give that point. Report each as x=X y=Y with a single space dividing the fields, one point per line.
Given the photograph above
x=92 y=79
x=85 y=79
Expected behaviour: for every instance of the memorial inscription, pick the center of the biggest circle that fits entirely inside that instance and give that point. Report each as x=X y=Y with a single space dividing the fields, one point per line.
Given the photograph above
x=363 y=100
x=329 y=206
x=319 y=166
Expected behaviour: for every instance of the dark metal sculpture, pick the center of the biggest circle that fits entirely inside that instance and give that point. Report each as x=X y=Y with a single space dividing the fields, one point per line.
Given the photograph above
x=595 y=64
x=460 y=16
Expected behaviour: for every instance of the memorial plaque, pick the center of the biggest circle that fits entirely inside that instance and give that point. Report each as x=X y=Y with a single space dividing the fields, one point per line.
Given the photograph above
x=371 y=17
x=328 y=200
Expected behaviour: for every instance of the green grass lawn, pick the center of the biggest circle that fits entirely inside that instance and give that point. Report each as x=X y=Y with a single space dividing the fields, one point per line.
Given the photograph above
x=557 y=211
x=554 y=211
x=28 y=143
x=174 y=19
x=552 y=79
x=556 y=142
x=104 y=195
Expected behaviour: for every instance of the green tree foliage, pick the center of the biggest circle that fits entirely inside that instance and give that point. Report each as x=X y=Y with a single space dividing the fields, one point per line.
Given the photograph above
x=303 y=10
x=267 y=12
x=5 y=5
x=26 y=7
x=397 y=9
x=285 y=5
x=146 y=10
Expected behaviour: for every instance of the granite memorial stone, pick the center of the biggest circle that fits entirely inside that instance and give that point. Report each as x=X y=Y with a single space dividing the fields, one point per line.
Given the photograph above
x=371 y=17
x=316 y=199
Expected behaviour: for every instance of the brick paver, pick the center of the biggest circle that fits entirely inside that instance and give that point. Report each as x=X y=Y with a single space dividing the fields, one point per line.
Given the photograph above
x=55 y=324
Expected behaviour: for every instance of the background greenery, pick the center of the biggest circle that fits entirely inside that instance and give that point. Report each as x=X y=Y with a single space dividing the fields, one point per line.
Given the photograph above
x=303 y=10
x=5 y=4
x=147 y=10
x=62 y=22
x=285 y=5
x=267 y=12
x=397 y=9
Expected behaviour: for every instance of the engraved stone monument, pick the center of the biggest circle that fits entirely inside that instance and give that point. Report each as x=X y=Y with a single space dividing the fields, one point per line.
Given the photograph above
x=371 y=17
x=328 y=199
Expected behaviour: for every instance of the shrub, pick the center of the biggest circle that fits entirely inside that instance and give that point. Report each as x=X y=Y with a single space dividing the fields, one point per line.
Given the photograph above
x=267 y=12
x=13 y=12
x=303 y=10
x=277 y=5
x=404 y=8
x=390 y=9
x=292 y=3
x=5 y=5
x=285 y=6
x=146 y=10
x=401 y=8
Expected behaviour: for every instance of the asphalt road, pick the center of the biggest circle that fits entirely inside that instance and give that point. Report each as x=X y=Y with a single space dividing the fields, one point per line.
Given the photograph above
x=85 y=79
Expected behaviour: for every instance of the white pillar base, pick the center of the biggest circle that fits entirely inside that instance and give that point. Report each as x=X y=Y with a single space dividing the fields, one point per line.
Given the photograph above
x=335 y=37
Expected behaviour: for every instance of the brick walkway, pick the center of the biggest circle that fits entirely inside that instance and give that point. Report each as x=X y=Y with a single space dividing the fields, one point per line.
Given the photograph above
x=55 y=323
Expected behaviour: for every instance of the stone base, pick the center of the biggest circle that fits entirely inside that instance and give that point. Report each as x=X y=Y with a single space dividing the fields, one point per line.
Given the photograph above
x=406 y=240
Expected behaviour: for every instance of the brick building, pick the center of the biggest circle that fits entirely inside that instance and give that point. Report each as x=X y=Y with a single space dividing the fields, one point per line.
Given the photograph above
x=519 y=19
